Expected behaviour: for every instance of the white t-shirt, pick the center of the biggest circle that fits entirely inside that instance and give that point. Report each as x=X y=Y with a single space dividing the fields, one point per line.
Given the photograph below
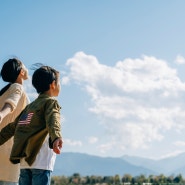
x=45 y=159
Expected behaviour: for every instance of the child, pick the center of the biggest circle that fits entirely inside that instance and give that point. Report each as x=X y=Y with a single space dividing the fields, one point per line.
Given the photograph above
x=35 y=129
x=13 y=100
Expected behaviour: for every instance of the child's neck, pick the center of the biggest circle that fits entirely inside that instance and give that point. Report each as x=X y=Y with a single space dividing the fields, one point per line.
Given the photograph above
x=49 y=93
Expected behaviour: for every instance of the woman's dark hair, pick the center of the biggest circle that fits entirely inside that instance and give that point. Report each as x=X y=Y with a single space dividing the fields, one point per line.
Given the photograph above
x=9 y=72
x=43 y=77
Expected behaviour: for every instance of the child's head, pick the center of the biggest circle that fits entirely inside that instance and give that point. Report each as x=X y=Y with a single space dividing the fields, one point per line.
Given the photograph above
x=43 y=77
x=11 y=70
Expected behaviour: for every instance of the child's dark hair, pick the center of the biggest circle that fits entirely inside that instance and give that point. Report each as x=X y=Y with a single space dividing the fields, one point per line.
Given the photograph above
x=43 y=77
x=9 y=72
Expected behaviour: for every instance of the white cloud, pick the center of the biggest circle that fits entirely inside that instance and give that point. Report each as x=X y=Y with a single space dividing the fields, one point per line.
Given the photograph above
x=93 y=140
x=103 y=148
x=138 y=99
x=72 y=143
x=179 y=143
x=65 y=80
x=180 y=59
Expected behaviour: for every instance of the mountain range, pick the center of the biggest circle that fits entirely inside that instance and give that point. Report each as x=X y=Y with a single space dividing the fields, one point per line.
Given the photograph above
x=69 y=163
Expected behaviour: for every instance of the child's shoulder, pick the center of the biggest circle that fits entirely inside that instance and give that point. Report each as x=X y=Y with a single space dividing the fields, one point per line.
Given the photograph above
x=45 y=98
x=53 y=102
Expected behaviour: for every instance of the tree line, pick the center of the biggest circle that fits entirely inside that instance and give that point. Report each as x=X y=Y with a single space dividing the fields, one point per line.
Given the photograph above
x=126 y=179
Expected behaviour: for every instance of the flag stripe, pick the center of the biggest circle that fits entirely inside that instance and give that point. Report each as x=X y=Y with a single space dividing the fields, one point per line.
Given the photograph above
x=25 y=119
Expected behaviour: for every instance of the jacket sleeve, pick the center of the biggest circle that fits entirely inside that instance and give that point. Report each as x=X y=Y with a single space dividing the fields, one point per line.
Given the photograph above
x=52 y=117
x=7 y=132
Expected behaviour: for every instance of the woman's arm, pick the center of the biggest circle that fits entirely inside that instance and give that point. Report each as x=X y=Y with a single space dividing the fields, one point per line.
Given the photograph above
x=7 y=108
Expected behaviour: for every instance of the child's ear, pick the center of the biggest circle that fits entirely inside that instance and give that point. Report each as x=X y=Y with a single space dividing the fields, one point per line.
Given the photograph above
x=52 y=85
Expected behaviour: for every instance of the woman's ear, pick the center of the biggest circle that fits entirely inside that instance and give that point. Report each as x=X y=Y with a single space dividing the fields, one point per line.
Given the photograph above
x=22 y=72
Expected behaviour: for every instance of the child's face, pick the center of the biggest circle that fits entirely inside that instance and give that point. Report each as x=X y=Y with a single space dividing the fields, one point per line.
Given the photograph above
x=57 y=88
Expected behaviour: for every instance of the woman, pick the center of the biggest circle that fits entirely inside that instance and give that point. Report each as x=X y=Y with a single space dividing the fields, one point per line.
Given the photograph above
x=13 y=100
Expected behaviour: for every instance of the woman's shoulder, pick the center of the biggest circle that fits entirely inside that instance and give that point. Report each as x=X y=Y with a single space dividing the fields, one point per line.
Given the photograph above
x=16 y=86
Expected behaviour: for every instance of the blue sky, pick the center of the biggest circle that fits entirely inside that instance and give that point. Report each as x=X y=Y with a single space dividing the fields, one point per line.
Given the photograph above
x=122 y=70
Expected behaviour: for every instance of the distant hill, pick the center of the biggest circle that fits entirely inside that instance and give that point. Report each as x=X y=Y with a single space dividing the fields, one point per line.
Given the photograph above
x=86 y=165
x=168 y=166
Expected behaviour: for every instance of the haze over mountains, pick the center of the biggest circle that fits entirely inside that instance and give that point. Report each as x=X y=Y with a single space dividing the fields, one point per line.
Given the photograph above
x=69 y=163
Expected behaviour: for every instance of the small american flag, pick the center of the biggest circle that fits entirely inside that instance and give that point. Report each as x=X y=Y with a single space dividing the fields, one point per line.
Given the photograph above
x=25 y=119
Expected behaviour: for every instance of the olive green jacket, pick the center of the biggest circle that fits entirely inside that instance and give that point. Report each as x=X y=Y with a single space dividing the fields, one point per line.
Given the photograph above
x=30 y=128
